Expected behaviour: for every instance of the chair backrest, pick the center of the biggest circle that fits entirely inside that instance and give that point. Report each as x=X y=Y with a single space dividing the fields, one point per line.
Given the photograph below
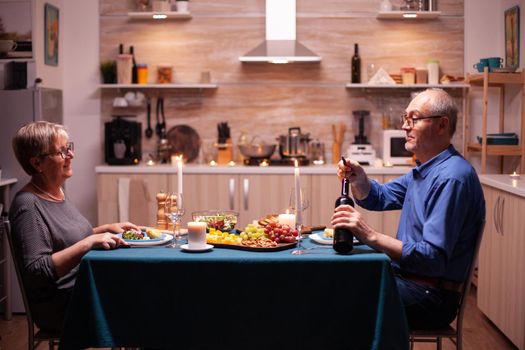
x=466 y=286
x=5 y=229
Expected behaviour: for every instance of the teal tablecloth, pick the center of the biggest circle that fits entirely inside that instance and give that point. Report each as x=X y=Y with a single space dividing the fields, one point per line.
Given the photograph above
x=230 y=299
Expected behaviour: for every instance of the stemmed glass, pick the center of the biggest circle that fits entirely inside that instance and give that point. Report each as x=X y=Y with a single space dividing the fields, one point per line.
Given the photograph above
x=303 y=205
x=174 y=210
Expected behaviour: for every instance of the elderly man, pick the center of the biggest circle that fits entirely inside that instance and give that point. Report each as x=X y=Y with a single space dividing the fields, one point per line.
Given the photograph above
x=442 y=207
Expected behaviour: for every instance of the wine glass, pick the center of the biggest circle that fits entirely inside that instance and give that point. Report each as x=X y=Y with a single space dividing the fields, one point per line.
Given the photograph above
x=303 y=203
x=174 y=210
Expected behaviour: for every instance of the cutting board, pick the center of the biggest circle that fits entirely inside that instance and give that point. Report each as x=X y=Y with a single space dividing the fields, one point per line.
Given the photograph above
x=184 y=140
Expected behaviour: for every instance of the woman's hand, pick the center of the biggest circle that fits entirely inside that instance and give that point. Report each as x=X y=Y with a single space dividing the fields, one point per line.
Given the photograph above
x=105 y=241
x=117 y=227
x=345 y=216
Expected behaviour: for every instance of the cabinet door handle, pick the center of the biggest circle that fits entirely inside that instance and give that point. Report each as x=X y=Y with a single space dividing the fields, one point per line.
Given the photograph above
x=246 y=192
x=495 y=214
x=231 y=193
x=502 y=207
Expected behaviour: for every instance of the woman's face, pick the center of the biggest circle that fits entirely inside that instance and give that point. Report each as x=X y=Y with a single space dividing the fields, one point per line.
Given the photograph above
x=55 y=168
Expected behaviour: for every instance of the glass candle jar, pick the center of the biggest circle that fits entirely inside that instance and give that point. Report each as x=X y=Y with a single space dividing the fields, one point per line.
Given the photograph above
x=408 y=75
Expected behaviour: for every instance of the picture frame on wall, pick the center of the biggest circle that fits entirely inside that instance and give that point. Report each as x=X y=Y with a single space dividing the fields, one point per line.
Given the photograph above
x=51 y=32
x=512 y=37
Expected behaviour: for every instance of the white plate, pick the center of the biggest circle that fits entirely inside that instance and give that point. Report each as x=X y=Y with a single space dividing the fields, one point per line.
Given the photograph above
x=187 y=248
x=148 y=242
x=321 y=239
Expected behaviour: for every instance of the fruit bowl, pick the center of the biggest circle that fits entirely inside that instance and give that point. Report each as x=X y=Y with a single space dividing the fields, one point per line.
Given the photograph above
x=224 y=220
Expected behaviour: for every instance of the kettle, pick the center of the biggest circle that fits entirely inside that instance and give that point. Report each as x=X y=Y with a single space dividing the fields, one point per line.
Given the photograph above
x=294 y=145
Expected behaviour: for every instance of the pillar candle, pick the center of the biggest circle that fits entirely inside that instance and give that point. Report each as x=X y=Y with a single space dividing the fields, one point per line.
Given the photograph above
x=179 y=174
x=287 y=219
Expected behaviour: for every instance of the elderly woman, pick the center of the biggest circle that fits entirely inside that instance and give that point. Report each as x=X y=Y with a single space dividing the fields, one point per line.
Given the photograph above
x=49 y=233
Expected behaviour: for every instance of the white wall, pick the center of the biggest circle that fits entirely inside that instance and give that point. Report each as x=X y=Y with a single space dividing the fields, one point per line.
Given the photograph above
x=81 y=100
x=484 y=37
x=51 y=75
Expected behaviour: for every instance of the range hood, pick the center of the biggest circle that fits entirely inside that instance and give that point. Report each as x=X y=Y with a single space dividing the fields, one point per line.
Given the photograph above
x=280 y=45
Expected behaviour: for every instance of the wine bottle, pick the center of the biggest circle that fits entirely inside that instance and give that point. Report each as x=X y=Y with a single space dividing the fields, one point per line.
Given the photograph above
x=356 y=66
x=134 y=72
x=343 y=238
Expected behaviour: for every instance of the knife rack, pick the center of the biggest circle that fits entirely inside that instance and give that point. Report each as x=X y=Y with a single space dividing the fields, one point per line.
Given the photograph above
x=224 y=152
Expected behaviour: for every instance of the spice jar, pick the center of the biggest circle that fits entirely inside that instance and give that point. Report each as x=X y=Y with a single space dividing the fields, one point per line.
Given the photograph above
x=408 y=75
x=142 y=73
x=433 y=72
x=164 y=74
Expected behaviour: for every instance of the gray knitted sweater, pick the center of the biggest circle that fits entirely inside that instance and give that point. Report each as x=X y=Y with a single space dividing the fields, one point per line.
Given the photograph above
x=39 y=229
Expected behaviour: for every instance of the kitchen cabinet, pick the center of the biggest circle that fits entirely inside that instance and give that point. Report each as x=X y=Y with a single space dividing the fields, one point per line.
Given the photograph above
x=390 y=217
x=107 y=195
x=325 y=190
x=501 y=281
x=499 y=80
x=252 y=196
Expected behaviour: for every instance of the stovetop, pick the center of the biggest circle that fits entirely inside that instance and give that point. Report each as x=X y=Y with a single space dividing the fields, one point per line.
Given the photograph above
x=276 y=162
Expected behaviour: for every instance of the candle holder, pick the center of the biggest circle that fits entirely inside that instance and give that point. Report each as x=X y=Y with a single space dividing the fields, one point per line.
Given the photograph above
x=515 y=176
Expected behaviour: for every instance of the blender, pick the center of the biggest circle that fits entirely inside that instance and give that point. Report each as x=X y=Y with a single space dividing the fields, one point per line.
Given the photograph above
x=361 y=150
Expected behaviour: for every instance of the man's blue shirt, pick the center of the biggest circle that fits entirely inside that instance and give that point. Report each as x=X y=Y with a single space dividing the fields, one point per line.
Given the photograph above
x=442 y=205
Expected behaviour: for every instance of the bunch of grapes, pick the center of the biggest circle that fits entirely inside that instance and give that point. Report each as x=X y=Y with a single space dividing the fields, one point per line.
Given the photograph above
x=281 y=233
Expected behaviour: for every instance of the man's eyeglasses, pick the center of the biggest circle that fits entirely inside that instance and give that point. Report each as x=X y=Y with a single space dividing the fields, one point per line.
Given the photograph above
x=64 y=152
x=411 y=121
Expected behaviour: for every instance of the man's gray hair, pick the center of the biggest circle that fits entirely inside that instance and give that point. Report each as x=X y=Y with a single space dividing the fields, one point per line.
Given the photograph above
x=443 y=104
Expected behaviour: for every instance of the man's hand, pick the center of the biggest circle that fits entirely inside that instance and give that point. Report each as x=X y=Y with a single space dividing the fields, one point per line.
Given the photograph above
x=346 y=216
x=356 y=175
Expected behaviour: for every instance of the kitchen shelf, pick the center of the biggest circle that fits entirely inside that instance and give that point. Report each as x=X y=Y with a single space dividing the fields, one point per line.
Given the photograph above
x=160 y=86
x=497 y=80
x=169 y=15
x=403 y=15
x=411 y=86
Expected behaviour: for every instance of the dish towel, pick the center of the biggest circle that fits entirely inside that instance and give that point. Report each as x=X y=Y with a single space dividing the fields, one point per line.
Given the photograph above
x=133 y=201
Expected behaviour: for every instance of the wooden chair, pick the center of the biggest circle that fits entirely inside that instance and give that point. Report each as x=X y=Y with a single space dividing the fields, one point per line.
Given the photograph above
x=33 y=338
x=455 y=334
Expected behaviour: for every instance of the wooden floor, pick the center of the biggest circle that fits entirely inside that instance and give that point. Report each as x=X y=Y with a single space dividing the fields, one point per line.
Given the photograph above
x=479 y=333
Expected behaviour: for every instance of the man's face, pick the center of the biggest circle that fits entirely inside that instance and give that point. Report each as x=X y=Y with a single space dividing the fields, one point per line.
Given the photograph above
x=421 y=127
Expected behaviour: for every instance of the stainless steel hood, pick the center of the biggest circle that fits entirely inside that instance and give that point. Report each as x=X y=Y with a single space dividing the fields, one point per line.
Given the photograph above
x=280 y=45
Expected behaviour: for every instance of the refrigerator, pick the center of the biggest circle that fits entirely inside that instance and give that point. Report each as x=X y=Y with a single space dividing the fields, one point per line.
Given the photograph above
x=17 y=108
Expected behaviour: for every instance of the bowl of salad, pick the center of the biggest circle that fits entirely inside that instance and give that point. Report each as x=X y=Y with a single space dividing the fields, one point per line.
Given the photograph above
x=224 y=220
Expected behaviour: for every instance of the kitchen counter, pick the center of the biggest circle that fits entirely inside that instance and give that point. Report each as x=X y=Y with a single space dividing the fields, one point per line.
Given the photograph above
x=220 y=169
x=506 y=183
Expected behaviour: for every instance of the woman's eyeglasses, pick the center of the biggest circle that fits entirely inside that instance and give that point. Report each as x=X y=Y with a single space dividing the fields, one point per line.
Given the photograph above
x=411 y=121
x=64 y=152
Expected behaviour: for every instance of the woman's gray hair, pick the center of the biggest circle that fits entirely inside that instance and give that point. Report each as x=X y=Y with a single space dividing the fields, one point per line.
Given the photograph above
x=443 y=104
x=35 y=139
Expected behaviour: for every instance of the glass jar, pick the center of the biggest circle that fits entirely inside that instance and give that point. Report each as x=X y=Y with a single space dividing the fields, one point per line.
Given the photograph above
x=408 y=75
x=433 y=72
x=164 y=74
x=142 y=73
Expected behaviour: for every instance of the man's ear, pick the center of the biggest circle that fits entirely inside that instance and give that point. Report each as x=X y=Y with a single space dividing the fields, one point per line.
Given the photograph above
x=444 y=125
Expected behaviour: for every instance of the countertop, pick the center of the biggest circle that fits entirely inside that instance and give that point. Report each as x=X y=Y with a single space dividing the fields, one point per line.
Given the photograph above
x=505 y=183
x=258 y=170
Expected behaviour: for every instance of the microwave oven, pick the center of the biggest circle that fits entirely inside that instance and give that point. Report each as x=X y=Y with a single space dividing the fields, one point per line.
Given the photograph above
x=394 y=151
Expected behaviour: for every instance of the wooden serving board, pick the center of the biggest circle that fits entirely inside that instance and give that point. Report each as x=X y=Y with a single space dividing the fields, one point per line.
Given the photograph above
x=280 y=246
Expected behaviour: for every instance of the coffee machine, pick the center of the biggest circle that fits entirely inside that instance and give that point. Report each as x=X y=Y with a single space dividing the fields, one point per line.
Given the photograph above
x=361 y=150
x=122 y=144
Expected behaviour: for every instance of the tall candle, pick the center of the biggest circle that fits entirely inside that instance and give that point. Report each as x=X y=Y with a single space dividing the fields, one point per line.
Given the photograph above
x=297 y=175
x=179 y=174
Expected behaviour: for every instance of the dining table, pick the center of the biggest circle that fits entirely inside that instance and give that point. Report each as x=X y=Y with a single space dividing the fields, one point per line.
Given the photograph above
x=166 y=298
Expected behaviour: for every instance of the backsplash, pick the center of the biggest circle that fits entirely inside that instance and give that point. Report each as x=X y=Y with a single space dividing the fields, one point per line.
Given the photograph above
x=265 y=99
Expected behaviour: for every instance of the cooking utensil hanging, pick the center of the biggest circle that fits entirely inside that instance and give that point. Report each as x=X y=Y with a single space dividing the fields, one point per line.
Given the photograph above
x=149 y=130
x=158 y=126
x=163 y=120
